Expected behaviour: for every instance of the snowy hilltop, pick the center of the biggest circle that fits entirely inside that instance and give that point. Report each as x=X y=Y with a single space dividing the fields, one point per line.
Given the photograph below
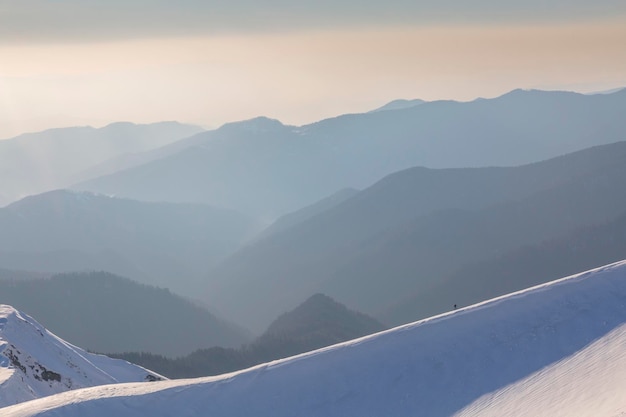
x=35 y=363
x=558 y=349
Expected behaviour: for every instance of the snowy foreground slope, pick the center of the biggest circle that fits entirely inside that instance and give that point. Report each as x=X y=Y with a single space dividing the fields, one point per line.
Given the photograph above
x=558 y=349
x=35 y=363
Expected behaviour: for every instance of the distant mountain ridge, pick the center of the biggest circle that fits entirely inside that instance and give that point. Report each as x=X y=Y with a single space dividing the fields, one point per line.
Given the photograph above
x=165 y=244
x=36 y=162
x=399 y=105
x=264 y=168
x=415 y=227
x=131 y=160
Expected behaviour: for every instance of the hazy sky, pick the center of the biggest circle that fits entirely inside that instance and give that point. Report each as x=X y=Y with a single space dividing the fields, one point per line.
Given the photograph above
x=68 y=62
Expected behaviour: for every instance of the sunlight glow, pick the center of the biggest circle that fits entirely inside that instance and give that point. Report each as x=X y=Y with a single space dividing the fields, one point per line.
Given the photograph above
x=303 y=76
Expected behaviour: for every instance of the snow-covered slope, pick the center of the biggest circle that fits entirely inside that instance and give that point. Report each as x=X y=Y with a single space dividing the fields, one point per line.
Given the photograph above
x=35 y=363
x=558 y=349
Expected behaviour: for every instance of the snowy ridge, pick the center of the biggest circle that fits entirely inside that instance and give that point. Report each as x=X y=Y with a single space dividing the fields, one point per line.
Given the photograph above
x=35 y=363
x=558 y=349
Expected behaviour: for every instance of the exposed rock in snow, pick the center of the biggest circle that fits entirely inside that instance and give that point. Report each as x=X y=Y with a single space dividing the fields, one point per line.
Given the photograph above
x=35 y=363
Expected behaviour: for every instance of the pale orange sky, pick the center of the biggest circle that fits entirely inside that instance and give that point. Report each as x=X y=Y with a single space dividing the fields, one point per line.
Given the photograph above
x=297 y=77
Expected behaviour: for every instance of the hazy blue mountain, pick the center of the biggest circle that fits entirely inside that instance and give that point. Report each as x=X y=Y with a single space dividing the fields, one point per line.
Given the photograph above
x=239 y=165
x=290 y=220
x=421 y=252
x=412 y=228
x=166 y=244
x=399 y=105
x=132 y=159
x=318 y=322
x=610 y=91
x=582 y=249
x=105 y=313
x=35 y=162
x=262 y=167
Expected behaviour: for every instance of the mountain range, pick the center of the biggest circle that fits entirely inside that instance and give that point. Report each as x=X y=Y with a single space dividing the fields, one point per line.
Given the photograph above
x=165 y=244
x=413 y=211
x=402 y=235
x=266 y=169
x=399 y=105
x=36 y=162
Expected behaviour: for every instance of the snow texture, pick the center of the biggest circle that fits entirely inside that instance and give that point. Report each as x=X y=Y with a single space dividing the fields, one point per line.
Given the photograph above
x=558 y=349
x=35 y=363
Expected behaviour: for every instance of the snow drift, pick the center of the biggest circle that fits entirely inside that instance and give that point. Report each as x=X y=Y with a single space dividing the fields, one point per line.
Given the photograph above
x=558 y=349
x=35 y=363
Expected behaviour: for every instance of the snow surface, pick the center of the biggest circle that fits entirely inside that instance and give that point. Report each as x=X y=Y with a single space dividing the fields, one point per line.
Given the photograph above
x=557 y=349
x=35 y=363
